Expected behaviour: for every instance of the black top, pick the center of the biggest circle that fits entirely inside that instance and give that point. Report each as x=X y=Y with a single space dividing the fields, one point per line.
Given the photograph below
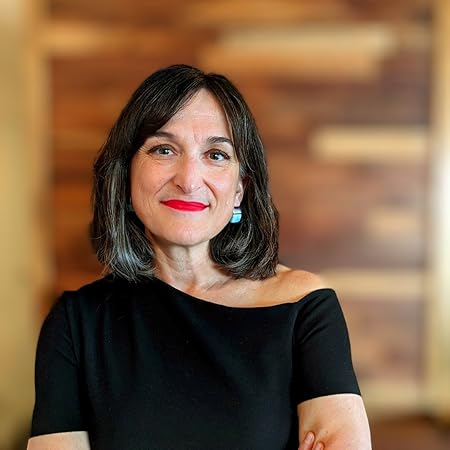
x=148 y=367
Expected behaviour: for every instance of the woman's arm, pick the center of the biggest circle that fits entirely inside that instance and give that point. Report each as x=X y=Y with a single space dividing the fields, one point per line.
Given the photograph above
x=74 y=440
x=60 y=402
x=338 y=422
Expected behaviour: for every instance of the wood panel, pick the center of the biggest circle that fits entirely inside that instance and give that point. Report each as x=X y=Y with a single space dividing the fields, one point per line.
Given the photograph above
x=385 y=338
x=223 y=13
x=341 y=92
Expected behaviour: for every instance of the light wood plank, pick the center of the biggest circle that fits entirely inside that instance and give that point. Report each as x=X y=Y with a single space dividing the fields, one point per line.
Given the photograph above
x=232 y=13
x=320 y=52
x=370 y=144
x=385 y=398
x=394 y=223
x=65 y=38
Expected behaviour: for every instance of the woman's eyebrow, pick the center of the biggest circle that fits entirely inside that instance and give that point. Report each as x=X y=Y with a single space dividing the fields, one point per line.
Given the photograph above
x=210 y=141
x=165 y=134
x=219 y=140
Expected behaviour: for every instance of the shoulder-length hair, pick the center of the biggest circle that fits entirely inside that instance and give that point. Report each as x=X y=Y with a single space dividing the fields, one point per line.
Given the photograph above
x=248 y=249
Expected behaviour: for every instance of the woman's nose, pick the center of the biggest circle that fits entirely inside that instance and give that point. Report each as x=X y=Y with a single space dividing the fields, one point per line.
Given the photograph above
x=188 y=177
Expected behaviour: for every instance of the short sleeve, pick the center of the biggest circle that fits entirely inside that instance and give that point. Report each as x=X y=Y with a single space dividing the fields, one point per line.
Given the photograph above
x=322 y=355
x=58 y=393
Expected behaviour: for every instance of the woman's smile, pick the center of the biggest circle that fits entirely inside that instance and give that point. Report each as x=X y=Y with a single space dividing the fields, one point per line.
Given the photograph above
x=185 y=206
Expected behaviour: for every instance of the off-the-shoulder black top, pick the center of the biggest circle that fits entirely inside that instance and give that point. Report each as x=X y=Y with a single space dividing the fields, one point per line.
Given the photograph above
x=148 y=367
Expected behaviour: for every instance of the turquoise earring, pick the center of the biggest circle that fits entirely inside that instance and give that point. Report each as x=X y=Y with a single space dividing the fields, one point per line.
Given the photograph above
x=237 y=215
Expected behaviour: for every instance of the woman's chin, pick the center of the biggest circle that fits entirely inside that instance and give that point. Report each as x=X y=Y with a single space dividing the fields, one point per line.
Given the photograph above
x=184 y=236
x=181 y=240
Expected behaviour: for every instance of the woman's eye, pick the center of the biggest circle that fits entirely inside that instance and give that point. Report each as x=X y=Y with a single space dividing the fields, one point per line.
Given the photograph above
x=161 y=150
x=217 y=155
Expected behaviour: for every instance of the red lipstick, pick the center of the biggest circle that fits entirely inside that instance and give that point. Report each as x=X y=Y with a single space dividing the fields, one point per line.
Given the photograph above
x=184 y=206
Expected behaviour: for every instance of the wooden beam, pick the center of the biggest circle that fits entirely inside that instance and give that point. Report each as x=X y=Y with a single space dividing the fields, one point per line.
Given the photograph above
x=21 y=262
x=318 y=52
x=37 y=123
x=371 y=144
x=438 y=328
x=73 y=38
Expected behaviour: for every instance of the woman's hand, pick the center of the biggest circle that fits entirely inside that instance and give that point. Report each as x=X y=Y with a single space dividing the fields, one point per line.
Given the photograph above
x=309 y=444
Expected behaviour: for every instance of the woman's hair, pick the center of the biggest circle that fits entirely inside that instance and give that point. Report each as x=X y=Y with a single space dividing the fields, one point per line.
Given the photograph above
x=248 y=249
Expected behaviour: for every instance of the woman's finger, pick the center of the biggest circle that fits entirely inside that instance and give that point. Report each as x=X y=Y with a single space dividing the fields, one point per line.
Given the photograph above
x=319 y=446
x=308 y=441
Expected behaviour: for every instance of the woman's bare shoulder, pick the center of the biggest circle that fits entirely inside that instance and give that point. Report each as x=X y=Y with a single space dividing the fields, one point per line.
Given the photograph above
x=288 y=275
x=291 y=285
x=296 y=283
x=72 y=440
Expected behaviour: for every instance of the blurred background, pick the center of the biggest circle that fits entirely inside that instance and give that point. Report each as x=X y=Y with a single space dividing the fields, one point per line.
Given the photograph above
x=352 y=98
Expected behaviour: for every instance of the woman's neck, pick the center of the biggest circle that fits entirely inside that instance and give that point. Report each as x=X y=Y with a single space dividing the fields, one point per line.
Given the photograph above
x=188 y=269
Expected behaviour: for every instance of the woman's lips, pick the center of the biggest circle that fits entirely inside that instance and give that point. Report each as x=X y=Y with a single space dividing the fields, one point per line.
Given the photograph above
x=184 y=206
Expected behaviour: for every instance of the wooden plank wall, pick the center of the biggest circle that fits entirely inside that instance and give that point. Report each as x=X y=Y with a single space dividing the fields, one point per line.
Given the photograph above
x=340 y=90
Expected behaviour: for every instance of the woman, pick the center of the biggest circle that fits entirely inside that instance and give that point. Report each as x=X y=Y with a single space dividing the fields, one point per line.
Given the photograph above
x=197 y=339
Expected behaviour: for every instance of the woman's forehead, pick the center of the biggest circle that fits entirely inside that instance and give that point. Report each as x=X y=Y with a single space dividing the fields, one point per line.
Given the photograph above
x=203 y=110
x=202 y=103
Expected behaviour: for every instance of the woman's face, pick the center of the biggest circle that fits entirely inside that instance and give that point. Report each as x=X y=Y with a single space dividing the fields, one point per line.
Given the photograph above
x=185 y=178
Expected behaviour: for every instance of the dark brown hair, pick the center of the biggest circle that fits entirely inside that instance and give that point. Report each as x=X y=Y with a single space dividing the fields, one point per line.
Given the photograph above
x=248 y=249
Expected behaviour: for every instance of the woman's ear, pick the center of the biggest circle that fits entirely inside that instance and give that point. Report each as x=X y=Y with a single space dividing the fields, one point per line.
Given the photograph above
x=240 y=191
